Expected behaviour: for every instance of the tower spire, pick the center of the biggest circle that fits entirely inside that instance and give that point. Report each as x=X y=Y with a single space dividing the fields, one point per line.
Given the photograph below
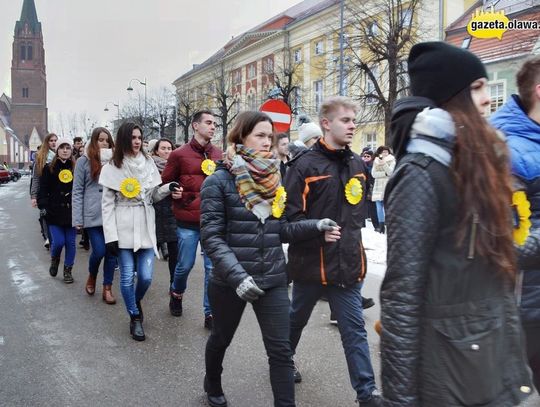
x=28 y=16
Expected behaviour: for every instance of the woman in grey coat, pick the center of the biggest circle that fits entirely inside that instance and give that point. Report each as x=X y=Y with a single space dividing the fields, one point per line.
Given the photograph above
x=86 y=212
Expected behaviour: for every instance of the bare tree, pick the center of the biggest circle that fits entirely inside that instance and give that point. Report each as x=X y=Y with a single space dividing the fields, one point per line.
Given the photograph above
x=376 y=43
x=224 y=100
x=188 y=104
x=134 y=111
x=161 y=113
x=287 y=81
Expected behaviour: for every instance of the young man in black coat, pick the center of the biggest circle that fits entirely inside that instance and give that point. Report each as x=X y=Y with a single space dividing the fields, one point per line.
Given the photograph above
x=329 y=181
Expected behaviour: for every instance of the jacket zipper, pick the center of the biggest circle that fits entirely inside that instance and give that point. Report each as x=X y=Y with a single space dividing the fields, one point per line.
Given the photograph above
x=474 y=227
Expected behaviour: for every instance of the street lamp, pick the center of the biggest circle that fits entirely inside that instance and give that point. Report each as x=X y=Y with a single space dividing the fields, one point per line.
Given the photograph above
x=117 y=105
x=130 y=88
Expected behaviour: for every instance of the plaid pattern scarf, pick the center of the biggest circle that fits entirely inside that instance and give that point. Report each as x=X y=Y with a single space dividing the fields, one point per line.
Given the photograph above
x=257 y=178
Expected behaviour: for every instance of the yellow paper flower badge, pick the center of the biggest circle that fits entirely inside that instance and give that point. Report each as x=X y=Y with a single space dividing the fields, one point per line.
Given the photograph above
x=522 y=212
x=278 y=206
x=208 y=166
x=65 y=176
x=130 y=187
x=354 y=191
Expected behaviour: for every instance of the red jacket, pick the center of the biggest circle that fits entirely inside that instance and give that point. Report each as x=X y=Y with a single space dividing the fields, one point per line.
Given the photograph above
x=184 y=167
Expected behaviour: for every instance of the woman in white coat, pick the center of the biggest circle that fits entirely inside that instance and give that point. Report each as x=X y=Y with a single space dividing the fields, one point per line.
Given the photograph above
x=383 y=166
x=131 y=183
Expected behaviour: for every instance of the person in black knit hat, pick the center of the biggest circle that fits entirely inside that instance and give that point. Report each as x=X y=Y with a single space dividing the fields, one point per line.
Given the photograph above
x=451 y=333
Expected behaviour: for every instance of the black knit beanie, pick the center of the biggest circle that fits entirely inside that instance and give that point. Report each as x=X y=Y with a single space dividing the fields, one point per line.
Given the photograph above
x=439 y=71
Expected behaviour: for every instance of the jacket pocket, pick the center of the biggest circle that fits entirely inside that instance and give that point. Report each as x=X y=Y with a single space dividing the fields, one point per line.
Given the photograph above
x=471 y=350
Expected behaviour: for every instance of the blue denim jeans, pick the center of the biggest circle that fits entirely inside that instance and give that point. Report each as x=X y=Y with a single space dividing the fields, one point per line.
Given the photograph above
x=380 y=210
x=346 y=306
x=272 y=311
x=97 y=241
x=63 y=236
x=143 y=259
x=188 y=239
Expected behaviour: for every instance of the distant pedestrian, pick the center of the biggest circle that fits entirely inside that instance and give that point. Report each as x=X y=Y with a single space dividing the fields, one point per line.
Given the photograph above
x=131 y=182
x=87 y=195
x=189 y=166
x=167 y=239
x=281 y=151
x=44 y=156
x=383 y=166
x=54 y=198
x=451 y=334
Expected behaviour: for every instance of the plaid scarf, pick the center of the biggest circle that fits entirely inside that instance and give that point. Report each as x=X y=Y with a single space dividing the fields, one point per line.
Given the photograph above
x=257 y=178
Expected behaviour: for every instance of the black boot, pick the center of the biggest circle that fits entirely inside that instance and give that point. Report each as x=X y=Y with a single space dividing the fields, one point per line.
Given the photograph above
x=367 y=302
x=136 y=329
x=164 y=251
x=139 y=306
x=175 y=305
x=55 y=262
x=214 y=394
x=68 y=278
x=382 y=229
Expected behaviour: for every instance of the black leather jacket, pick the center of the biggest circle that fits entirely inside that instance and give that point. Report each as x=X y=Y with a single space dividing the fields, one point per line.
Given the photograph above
x=451 y=331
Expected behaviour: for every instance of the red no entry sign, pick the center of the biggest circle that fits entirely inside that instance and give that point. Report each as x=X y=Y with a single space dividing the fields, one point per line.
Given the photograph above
x=279 y=112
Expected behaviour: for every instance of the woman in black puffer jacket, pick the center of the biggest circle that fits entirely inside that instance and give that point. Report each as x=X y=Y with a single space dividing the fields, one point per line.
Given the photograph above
x=242 y=232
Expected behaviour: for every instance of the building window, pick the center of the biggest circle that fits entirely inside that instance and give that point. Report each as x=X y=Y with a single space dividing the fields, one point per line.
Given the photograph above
x=252 y=101
x=319 y=47
x=268 y=65
x=466 y=42
x=251 y=71
x=237 y=76
x=496 y=91
x=23 y=52
x=297 y=98
x=25 y=92
x=371 y=98
x=403 y=78
x=297 y=55
x=29 y=52
x=318 y=92
x=370 y=140
x=406 y=18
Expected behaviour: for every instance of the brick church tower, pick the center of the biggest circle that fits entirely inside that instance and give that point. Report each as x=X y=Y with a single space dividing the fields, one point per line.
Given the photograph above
x=28 y=78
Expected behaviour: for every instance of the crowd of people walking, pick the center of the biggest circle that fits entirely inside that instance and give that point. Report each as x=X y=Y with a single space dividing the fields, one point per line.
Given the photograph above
x=457 y=196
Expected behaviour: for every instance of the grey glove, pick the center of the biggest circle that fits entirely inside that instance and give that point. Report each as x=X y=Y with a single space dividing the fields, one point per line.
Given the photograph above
x=248 y=290
x=326 y=225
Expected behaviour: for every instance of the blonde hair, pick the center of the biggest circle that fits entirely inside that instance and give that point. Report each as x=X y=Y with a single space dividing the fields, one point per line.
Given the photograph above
x=331 y=104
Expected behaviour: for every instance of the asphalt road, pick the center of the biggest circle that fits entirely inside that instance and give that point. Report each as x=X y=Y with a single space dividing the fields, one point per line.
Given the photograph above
x=61 y=347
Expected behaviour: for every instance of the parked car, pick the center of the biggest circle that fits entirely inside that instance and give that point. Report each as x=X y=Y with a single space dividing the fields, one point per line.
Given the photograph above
x=14 y=174
x=4 y=175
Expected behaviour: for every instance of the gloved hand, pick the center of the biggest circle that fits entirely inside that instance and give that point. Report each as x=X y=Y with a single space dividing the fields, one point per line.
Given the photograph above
x=112 y=248
x=248 y=290
x=326 y=225
x=43 y=212
x=173 y=185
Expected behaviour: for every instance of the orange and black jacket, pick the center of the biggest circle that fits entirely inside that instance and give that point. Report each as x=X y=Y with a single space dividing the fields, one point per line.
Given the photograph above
x=315 y=185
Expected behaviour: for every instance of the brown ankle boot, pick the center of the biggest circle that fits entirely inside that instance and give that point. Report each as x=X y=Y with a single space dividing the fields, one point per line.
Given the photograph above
x=108 y=296
x=90 y=284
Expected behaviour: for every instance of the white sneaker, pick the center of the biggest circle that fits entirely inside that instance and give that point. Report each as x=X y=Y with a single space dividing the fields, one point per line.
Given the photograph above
x=46 y=245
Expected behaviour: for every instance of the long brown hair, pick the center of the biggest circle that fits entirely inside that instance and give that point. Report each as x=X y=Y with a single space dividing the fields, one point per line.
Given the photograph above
x=481 y=172
x=41 y=157
x=93 y=152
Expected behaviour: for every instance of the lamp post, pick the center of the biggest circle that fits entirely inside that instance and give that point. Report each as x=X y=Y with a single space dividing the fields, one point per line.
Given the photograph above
x=341 y=90
x=129 y=89
x=117 y=105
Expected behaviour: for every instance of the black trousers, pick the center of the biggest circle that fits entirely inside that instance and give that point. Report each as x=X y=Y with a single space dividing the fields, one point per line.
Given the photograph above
x=272 y=311
x=172 y=248
x=532 y=335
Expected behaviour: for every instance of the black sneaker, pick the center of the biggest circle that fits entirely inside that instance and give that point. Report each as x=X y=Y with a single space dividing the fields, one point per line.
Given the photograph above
x=175 y=305
x=297 y=375
x=367 y=303
x=209 y=322
x=374 y=401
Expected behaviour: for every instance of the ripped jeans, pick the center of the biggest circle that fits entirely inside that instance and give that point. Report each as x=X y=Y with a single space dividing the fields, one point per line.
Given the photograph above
x=142 y=262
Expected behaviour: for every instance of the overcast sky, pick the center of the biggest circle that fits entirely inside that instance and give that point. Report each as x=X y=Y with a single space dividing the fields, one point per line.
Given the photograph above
x=93 y=48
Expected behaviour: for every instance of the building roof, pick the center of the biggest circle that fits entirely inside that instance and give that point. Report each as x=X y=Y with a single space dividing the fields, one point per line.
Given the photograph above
x=28 y=15
x=269 y=27
x=514 y=43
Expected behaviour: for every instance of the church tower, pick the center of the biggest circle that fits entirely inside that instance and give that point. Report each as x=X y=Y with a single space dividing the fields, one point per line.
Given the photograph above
x=28 y=78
